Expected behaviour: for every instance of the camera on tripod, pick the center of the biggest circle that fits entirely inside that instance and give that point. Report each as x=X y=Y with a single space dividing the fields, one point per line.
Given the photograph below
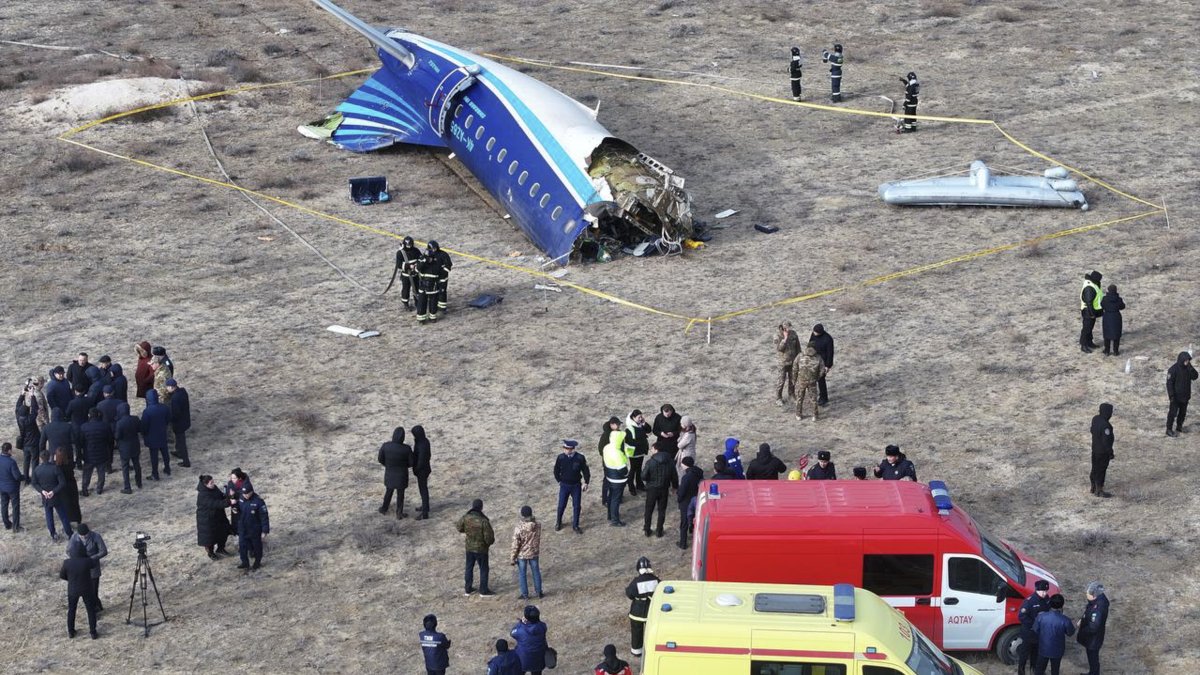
x=139 y=541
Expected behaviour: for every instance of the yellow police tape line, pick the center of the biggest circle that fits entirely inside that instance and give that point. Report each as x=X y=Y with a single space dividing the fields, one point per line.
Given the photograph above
x=691 y=321
x=873 y=281
x=344 y=221
x=200 y=97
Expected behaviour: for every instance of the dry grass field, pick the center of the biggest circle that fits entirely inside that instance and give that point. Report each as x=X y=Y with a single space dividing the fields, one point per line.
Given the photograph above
x=973 y=368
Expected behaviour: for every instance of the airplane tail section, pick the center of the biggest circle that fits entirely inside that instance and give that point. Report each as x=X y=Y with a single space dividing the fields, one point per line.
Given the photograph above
x=383 y=42
x=376 y=116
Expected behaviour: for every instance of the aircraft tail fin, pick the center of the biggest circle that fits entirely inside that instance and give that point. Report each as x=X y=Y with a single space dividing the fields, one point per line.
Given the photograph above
x=383 y=42
x=377 y=115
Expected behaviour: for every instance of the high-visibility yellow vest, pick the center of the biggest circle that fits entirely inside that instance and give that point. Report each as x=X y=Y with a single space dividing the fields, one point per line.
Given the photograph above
x=614 y=451
x=1095 y=300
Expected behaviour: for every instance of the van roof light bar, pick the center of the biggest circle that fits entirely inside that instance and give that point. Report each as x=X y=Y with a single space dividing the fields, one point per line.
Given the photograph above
x=843 y=602
x=941 y=496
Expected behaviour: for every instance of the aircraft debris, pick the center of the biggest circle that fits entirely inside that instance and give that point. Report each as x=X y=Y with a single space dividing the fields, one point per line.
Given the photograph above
x=725 y=214
x=980 y=188
x=352 y=332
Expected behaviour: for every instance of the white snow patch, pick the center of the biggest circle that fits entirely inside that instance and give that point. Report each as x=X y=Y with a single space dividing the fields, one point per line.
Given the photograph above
x=95 y=100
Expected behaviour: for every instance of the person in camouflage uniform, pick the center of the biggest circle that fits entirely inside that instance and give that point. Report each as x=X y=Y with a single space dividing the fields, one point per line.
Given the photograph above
x=806 y=370
x=162 y=373
x=480 y=538
x=787 y=346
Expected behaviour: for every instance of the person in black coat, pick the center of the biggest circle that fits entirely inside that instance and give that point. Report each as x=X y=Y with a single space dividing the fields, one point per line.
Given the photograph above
x=421 y=467
x=1111 y=305
x=253 y=525
x=637 y=436
x=77 y=572
x=1179 y=391
x=825 y=469
x=765 y=465
x=108 y=406
x=58 y=390
x=823 y=343
x=126 y=437
x=155 y=419
x=1102 y=448
x=29 y=437
x=395 y=456
x=77 y=372
x=50 y=484
x=212 y=527
x=57 y=434
x=689 y=487
x=77 y=413
x=666 y=429
x=181 y=419
x=895 y=465
x=97 y=450
x=1091 y=626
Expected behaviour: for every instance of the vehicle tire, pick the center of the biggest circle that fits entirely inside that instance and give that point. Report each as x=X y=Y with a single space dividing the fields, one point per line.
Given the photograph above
x=1006 y=645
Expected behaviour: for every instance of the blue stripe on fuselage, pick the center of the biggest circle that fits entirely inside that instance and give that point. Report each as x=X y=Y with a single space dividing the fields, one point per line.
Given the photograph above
x=574 y=175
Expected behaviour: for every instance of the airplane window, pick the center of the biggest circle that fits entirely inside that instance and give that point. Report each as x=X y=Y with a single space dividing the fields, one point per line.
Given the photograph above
x=556 y=212
x=533 y=189
x=479 y=132
x=569 y=226
x=512 y=168
x=503 y=153
x=458 y=111
x=491 y=143
x=469 y=121
x=522 y=178
x=545 y=200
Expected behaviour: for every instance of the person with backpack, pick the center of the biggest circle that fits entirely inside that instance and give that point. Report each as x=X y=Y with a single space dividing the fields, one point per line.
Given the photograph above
x=656 y=474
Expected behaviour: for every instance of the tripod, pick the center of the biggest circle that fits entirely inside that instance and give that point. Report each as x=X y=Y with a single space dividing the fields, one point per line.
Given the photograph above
x=140 y=573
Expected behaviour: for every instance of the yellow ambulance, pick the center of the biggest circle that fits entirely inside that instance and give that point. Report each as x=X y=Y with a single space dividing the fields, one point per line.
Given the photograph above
x=712 y=628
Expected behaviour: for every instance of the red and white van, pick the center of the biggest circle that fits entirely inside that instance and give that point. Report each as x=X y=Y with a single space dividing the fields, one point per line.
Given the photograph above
x=903 y=541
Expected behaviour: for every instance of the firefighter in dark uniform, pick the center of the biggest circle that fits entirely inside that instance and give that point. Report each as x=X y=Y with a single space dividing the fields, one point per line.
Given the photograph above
x=836 y=60
x=1033 y=605
x=407 y=257
x=443 y=267
x=639 y=591
x=795 y=69
x=428 y=273
x=912 y=89
x=254 y=523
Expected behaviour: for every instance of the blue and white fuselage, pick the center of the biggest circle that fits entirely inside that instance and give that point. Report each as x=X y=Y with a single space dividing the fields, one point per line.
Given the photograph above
x=528 y=144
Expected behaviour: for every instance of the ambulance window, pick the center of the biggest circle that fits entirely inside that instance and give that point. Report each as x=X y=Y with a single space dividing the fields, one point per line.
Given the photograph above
x=899 y=574
x=793 y=668
x=971 y=575
x=879 y=670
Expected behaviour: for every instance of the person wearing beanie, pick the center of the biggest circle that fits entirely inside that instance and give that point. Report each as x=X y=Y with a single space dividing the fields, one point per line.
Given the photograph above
x=504 y=662
x=1091 y=625
x=1030 y=609
x=155 y=420
x=435 y=647
x=395 y=456
x=479 y=538
x=212 y=527
x=1089 y=309
x=181 y=419
x=611 y=665
x=822 y=341
x=807 y=371
x=1052 y=630
x=1102 y=448
x=721 y=470
x=143 y=375
x=58 y=390
x=860 y=473
x=787 y=347
x=825 y=468
x=733 y=457
x=616 y=470
x=637 y=446
x=657 y=473
x=530 y=634
x=1110 y=306
x=526 y=546
x=765 y=465
x=895 y=465
x=572 y=475
x=92 y=544
x=689 y=488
